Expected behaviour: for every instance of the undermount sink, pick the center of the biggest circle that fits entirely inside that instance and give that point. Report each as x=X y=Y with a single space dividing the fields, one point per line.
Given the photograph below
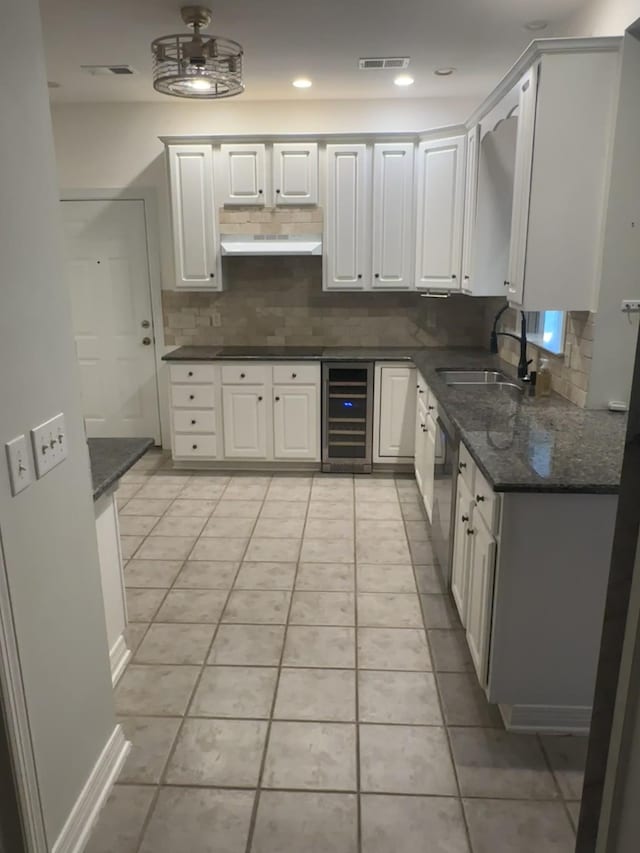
x=478 y=378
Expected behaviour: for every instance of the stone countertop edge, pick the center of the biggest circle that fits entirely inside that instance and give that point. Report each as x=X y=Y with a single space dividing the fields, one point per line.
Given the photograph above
x=110 y=458
x=207 y=353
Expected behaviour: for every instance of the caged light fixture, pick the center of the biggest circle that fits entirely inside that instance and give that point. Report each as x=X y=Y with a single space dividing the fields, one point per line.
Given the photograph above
x=196 y=65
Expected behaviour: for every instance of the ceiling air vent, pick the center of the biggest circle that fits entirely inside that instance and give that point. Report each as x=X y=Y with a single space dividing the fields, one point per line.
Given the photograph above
x=373 y=63
x=103 y=70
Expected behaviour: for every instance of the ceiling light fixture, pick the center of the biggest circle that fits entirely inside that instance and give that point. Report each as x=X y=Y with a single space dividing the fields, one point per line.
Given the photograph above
x=444 y=72
x=191 y=65
x=302 y=83
x=404 y=80
x=536 y=26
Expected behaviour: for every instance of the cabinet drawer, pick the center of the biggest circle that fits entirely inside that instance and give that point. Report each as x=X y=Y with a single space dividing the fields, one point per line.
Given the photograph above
x=487 y=501
x=195 y=445
x=197 y=420
x=193 y=396
x=296 y=374
x=466 y=467
x=192 y=372
x=252 y=374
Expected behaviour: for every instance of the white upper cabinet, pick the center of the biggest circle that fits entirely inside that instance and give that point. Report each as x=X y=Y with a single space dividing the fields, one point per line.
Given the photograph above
x=470 y=200
x=243 y=173
x=347 y=244
x=440 y=195
x=193 y=217
x=295 y=173
x=392 y=216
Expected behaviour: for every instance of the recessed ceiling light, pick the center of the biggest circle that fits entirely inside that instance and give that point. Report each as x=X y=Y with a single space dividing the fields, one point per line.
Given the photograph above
x=536 y=26
x=404 y=80
x=302 y=83
x=444 y=72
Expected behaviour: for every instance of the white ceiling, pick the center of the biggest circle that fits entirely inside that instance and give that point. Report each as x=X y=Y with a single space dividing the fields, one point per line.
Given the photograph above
x=283 y=39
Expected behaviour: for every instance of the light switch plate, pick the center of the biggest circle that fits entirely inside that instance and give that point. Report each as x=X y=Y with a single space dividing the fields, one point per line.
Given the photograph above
x=20 y=472
x=49 y=441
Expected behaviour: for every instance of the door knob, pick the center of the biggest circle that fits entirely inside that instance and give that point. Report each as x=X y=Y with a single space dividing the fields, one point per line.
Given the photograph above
x=146 y=341
x=145 y=324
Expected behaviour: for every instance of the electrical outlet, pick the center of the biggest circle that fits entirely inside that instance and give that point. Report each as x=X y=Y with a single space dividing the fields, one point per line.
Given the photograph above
x=630 y=305
x=49 y=444
x=19 y=464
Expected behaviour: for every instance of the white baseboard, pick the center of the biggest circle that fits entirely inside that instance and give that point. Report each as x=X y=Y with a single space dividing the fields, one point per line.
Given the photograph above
x=84 y=814
x=118 y=657
x=550 y=719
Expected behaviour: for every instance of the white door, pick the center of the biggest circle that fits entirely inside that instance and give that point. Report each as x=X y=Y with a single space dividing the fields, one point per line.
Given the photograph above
x=392 y=222
x=108 y=273
x=296 y=420
x=243 y=173
x=295 y=173
x=460 y=560
x=346 y=241
x=470 y=202
x=440 y=213
x=244 y=421
x=396 y=412
x=522 y=185
x=480 y=594
x=193 y=217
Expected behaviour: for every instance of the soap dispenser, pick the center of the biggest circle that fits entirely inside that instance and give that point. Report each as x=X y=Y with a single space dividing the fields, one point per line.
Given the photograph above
x=543 y=381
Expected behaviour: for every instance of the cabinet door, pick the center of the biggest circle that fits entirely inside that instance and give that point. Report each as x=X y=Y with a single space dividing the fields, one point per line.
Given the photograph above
x=428 y=472
x=482 y=560
x=244 y=421
x=346 y=245
x=470 y=202
x=295 y=173
x=461 y=543
x=419 y=444
x=440 y=213
x=242 y=173
x=392 y=250
x=395 y=418
x=193 y=217
x=296 y=422
x=522 y=185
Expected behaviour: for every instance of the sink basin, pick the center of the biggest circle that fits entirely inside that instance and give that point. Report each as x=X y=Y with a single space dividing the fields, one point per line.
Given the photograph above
x=473 y=377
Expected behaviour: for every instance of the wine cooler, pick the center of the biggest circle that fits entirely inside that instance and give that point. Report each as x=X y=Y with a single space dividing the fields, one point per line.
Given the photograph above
x=347 y=416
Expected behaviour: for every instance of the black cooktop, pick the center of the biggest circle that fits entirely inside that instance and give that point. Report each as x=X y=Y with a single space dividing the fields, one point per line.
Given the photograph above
x=270 y=352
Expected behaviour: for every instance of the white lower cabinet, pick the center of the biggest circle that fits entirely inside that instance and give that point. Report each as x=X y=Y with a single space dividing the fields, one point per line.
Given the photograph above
x=394 y=413
x=481 y=565
x=296 y=422
x=244 y=418
x=461 y=541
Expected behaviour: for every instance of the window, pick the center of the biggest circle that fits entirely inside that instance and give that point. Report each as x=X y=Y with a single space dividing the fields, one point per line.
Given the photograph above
x=546 y=330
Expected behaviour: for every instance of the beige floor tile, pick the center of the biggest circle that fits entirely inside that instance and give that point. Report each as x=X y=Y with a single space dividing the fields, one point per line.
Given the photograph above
x=378 y=510
x=137 y=506
x=382 y=551
x=332 y=492
x=317 y=756
x=192 y=605
x=380 y=529
x=179 y=526
x=316 y=694
x=450 y=650
x=199 y=820
x=407 y=824
x=248 y=645
x=137 y=525
x=121 y=821
x=418 y=531
x=388 y=610
x=175 y=643
x=410 y=698
x=574 y=813
x=207 y=574
x=273 y=550
x=166 y=548
x=288 y=492
x=421 y=552
x=234 y=691
x=284 y=509
x=279 y=528
x=245 y=492
x=413 y=511
x=311 y=646
x=129 y=545
x=430 y=580
x=338 y=509
x=464 y=703
x=151 y=741
x=439 y=611
x=143 y=604
x=495 y=764
x=385 y=577
x=155 y=690
x=376 y=494
x=198 y=490
x=231 y=528
x=334 y=528
x=406 y=760
x=265 y=576
x=309 y=822
x=127 y=490
x=237 y=509
x=393 y=648
x=159 y=490
x=194 y=508
x=151 y=573
x=218 y=752
x=567 y=756
x=329 y=577
x=218 y=549
x=327 y=551
x=504 y=826
x=322 y=608
x=257 y=607
x=134 y=633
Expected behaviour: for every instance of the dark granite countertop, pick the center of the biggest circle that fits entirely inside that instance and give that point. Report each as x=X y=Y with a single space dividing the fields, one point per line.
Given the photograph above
x=110 y=458
x=521 y=444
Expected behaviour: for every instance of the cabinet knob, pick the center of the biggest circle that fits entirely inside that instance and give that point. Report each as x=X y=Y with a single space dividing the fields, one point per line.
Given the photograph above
x=453 y=275
x=506 y=283
x=423 y=428
x=278 y=192
x=212 y=275
x=420 y=391
x=190 y=373
x=192 y=396
x=259 y=192
x=194 y=446
x=470 y=532
x=145 y=324
x=431 y=408
x=277 y=399
x=466 y=278
x=479 y=498
x=146 y=341
x=465 y=518
x=193 y=423
x=242 y=375
x=377 y=275
x=461 y=465
x=359 y=275
x=259 y=399
x=294 y=375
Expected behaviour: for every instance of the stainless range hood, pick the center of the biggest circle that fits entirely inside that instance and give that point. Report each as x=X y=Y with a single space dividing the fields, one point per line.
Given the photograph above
x=271 y=244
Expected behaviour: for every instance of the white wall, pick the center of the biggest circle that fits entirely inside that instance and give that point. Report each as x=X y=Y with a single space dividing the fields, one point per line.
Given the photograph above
x=603 y=18
x=48 y=531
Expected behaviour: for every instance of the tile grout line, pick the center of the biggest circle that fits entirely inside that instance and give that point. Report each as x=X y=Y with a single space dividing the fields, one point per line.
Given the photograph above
x=556 y=783
x=357 y=674
x=263 y=762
